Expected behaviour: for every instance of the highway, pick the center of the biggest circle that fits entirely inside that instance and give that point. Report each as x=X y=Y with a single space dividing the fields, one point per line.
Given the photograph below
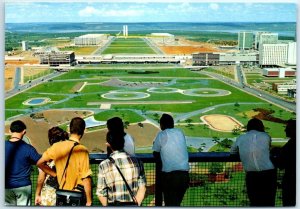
x=290 y=106
x=19 y=88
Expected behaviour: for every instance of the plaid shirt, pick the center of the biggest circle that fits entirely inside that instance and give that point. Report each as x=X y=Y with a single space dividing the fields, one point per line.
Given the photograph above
x=110 y=183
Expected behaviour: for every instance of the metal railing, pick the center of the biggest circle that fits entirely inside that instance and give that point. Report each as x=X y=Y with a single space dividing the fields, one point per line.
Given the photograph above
x=216 y=179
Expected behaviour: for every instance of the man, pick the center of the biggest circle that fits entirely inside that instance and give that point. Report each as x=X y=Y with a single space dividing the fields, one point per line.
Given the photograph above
x=253 y=147
x=115 y=124
x=78 y=171
x=170 y=145
x=19 y=156
x=111 y=188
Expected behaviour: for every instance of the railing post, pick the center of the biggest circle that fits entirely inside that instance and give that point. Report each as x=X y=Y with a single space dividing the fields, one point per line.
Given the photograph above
x=158 y=186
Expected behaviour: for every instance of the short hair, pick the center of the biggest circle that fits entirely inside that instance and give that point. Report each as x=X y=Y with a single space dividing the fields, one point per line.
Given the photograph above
x=166 y=121
x=17 y=126
x=56 y=134
x=77 y=126
x=290 y=129
x=115 y=124
x=116 y=140
x=255 y=124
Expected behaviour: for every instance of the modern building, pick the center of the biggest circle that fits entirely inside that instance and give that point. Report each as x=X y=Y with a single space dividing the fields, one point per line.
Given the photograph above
x=217 y=58
x=61 y=58
x=125 y=30
x=273 y=54
x=90 y=39
x=163 y=38
x=24 y=45
x=205 y=58
x=292 y=53
x=245 y=40
x=282 y=88
x=279 y=72
x=265 y=38
x=250 y=58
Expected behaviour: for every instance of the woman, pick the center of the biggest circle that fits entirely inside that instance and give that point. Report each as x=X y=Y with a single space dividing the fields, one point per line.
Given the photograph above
x=46 y=185
x=253 y=148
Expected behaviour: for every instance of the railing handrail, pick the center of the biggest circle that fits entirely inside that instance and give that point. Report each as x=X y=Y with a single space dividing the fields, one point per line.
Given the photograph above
x=193 y=157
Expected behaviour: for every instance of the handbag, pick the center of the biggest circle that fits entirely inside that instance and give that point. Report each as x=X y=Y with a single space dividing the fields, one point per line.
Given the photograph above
x=69 y=197
x=117 y=203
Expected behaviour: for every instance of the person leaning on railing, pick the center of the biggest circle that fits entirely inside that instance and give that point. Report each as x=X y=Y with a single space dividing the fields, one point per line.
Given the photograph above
x=46 y=185
x=78 y=171
x=121 y=177
x=170 y=146
x=253 y=147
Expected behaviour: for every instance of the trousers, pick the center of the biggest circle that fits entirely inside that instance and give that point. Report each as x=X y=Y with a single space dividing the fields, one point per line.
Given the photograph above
x=174 y=186
x=20 y=196
x=261 y=187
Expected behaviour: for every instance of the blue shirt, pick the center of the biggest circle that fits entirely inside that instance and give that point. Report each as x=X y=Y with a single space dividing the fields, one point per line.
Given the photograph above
x=171 y=144
x=19 y=156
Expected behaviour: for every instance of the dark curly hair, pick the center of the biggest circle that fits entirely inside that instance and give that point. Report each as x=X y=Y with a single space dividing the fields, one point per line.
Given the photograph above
x=56 y=134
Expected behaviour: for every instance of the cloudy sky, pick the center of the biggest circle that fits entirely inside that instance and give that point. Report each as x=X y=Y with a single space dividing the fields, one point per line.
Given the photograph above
x=166 y=11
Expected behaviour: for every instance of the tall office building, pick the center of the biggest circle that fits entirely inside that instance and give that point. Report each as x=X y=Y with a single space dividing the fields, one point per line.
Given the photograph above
x=125 y=30
x=273 y=54
x=292 y=53
x=245 y=40
x=265 y=38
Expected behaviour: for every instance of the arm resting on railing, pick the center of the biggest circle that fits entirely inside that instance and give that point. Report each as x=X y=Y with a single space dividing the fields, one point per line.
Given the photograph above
x=140 y=195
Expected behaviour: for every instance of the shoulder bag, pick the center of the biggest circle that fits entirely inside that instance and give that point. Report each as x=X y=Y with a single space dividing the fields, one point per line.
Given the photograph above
x=70 y=197
x=117 y=203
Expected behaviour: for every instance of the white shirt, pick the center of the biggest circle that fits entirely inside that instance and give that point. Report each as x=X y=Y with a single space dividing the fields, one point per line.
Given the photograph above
x=129 y=144
x=171 y=144
x=254 y=150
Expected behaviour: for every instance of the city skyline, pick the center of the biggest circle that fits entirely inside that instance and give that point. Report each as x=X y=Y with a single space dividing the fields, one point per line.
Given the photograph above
x=26 y=12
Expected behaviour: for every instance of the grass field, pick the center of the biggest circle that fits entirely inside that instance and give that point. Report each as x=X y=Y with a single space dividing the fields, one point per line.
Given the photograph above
x=128 y=46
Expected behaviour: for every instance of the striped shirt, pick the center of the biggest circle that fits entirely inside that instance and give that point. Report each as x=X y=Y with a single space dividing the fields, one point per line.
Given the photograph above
x=110 y=183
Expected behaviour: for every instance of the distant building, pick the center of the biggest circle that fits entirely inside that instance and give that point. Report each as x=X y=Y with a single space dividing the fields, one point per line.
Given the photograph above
x=238 y=58
x=125 y=30
x=245 y=40
x=55 y=58
x=279 y=72
x=273 y=54
x=205 y=58
x=292 y=53
x=265 y=38
x=24 y=45
x=164 y=38
x=282 y=88
x=90 y=39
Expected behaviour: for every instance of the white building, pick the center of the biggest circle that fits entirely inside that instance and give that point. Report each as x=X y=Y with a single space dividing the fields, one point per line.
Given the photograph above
x=279 y=72
x=282 y=88
x=90 y=39
x=24 y=45
x=273 y=54
x=238 y=58
x=165 y=38
x=125 y=30
x=292 y=53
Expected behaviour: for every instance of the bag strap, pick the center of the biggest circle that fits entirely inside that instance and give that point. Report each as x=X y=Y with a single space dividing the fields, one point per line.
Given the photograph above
x=128 y=187
x=67 y=163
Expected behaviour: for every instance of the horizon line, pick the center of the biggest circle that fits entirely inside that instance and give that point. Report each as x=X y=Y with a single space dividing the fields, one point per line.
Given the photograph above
x=165 y=22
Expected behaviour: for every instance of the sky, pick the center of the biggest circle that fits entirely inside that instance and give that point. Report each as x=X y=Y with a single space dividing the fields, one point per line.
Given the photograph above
x=165 y=11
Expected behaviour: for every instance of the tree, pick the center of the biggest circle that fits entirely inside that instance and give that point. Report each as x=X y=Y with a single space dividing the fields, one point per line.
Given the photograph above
x=215 y=167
